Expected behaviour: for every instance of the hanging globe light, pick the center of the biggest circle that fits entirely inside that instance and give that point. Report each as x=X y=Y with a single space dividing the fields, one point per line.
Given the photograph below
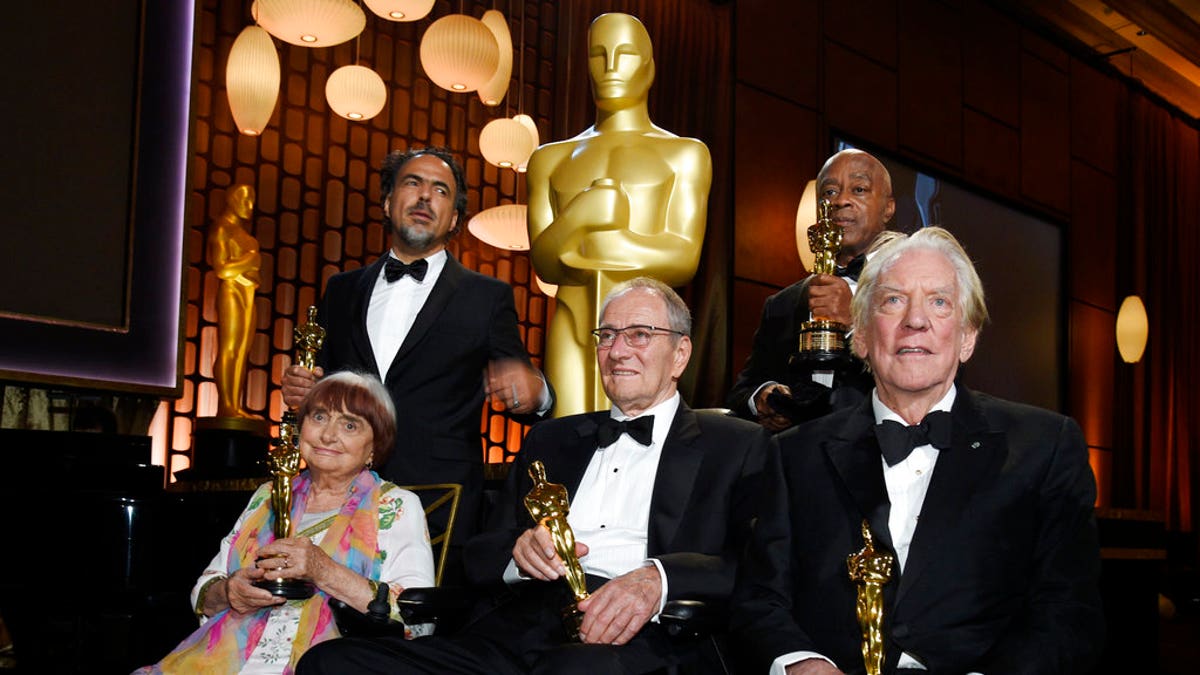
x=806 y=214
x=252 y=80
x=502 y=226
x=355 y=92
x=459 y=53
x=493 y=91
x=549 y=289
x=527 y=122
x=506 y=143
x=310 y=23
x=400 y=10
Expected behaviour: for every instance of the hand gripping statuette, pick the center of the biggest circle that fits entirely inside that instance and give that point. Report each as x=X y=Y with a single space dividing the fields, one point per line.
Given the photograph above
x=548 y=505
x=284 y=459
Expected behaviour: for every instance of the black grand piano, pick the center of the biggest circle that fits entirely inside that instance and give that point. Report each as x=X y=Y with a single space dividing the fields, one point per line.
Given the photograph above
x=98 y=559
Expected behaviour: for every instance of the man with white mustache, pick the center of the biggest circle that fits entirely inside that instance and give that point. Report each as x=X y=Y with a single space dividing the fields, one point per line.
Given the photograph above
x=859 y=190
x=985 y=506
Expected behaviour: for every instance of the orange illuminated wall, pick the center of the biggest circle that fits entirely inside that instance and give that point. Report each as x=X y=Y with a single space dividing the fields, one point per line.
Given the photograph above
x=318 y=203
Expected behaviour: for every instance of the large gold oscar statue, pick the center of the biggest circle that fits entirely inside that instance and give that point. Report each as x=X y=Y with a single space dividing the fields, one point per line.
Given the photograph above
x=548 y=504
x=622 y=199
x=234 y=257
x=870 y=570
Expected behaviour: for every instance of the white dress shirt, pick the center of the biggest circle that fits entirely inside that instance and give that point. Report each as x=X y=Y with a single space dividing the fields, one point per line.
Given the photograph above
x=393 y=309
x=907 y=483
x=610 y=510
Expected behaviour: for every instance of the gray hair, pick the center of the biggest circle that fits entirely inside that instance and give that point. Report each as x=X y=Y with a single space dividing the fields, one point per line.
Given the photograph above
x=678 y=315
x=889 y=246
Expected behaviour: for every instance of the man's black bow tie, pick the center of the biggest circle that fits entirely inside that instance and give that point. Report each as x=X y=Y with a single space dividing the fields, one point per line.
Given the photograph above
x=853 y=268
x=394 y=269
x=640 y=430
x=897 y=441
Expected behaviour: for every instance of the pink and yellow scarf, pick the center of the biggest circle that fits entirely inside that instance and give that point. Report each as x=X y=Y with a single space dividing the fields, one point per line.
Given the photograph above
x=226 y=641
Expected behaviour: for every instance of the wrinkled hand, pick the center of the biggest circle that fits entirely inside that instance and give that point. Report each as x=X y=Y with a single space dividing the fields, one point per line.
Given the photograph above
x=294 y=558
x=296 y=382
x=243 y=596
x=618 y=609
x=812 y=667
x=767 y=417
x=829 y=298
x=514 y=385
x=535 y=556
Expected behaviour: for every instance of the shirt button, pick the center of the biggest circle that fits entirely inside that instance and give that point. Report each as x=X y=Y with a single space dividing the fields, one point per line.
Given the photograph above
x=615 y=470
x=918 y=472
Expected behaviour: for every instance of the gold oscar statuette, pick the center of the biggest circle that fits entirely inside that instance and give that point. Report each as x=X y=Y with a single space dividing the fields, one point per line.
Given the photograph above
x=870 y=570
x=284 y=459
x=822 y=340
x=548 y=505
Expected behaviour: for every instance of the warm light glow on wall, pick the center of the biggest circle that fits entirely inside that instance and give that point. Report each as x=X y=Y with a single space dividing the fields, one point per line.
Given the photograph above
x=252 y=80
x=1132 y=329
x=502 y=226
x=355 y=92
x=806 y=215
x=459 y=53
x=400 y=10
x=493 y=91
x=310 y=23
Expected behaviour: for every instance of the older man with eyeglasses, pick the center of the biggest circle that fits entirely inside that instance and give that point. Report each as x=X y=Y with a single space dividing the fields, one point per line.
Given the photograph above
x=661 y=504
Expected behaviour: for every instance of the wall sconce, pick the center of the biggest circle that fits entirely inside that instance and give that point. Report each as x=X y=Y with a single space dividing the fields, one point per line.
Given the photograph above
x=252 y=80
x=806 y=215
x=1133 y=328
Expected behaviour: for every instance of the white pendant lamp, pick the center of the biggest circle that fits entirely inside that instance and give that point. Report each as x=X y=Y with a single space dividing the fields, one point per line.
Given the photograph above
x=502 y=226
x=806 y=215
x=252 y=80
x=355 y=92
x=459 y=53
x=493 y=91
x=527 y=122
x=400 y=10
x=310 y=23
x=549 y=289
x=506 y=143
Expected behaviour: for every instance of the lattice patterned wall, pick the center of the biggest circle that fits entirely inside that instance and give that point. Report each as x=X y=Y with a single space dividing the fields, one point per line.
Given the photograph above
x=318 y=204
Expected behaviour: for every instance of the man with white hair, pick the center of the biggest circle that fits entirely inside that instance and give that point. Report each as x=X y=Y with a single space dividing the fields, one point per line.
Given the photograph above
x=984 y=505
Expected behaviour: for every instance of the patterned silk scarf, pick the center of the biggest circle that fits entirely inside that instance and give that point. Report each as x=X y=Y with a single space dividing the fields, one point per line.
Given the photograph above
x=226 y=641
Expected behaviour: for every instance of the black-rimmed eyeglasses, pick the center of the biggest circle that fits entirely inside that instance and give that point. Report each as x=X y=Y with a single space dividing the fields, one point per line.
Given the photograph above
x=636 y=336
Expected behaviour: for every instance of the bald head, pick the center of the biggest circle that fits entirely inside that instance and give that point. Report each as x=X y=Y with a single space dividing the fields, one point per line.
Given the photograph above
x=859 y=190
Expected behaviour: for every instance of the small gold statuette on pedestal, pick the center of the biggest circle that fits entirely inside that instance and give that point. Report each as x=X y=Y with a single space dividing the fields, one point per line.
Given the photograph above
x=284 y=459
x=548 y=504
x=870 y=570
x=822 y=340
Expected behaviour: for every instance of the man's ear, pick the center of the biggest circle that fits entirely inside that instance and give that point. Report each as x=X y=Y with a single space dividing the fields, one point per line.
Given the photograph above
x=858 y=344
x=968 y=345
x=683 y=354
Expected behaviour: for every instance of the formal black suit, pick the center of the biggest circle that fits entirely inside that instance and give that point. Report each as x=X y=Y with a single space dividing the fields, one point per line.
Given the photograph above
x=436 y=378
x=701 y=511
x=775 y=341
x=1002 y=570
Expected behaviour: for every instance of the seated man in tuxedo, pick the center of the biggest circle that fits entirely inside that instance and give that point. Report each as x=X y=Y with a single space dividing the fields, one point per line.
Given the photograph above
x=661 y=505
x=998 y=575
x=859 y=190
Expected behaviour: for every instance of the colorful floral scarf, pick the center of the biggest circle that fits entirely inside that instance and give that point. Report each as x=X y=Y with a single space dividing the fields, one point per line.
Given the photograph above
x=226 y=641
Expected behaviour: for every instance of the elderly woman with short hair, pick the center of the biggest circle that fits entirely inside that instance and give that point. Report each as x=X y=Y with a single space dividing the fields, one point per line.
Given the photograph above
x=352 y=531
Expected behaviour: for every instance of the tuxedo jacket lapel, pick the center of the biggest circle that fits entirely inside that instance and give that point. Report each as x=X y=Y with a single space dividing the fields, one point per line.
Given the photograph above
x=675 y=480
x=856 y=457
x=975 y=456
x=361 y=300
x=439 y=298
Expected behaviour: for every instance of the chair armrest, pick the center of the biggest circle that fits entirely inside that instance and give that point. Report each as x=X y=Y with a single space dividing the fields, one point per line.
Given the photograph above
x=694 y=618
x=428 y=604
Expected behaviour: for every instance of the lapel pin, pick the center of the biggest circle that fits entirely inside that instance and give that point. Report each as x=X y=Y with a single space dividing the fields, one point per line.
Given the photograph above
x=975 y=445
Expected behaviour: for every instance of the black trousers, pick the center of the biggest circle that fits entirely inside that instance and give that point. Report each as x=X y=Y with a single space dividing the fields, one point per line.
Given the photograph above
x=523 y=633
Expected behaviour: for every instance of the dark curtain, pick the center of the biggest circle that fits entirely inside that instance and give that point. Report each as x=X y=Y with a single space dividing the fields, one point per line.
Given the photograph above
x=1164 y=170
x=692 y=96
